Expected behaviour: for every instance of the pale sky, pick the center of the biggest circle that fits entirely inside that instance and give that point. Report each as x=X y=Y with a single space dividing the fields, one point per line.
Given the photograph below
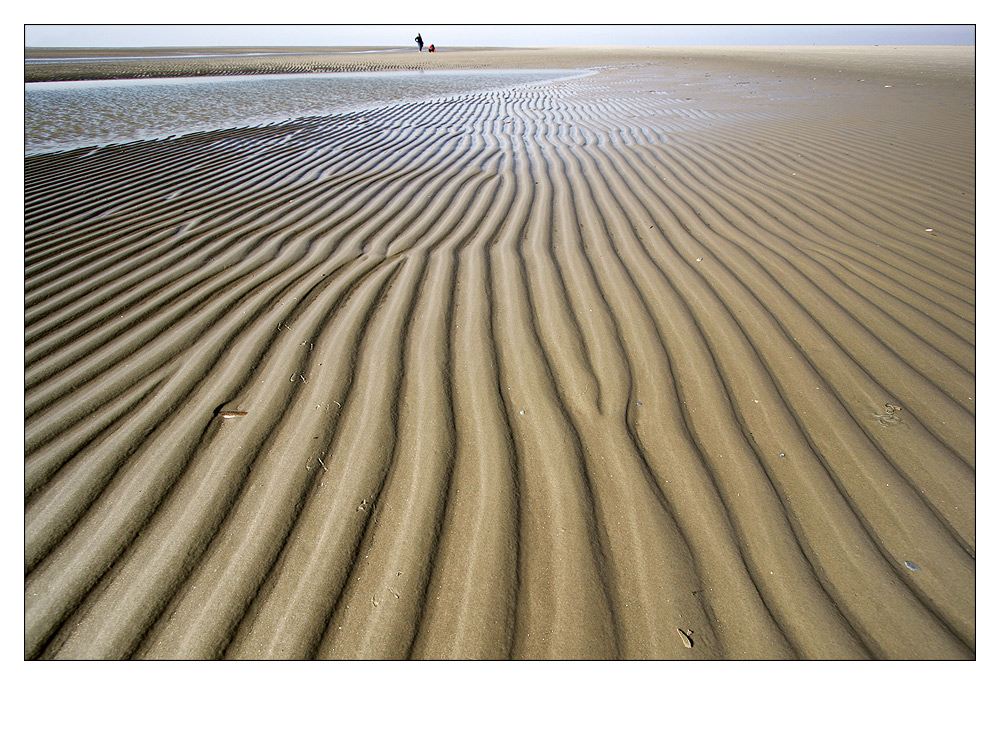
x=592 y=25
x=151 y=35
x=503 y=23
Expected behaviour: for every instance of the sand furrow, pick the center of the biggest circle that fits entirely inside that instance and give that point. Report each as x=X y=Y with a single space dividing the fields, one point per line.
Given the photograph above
x=42 y=461
x=153 y=570
x=720 y=567
x=952 y=298
x=270 y=627
x=472 y=593
x=251 y=170
x=891 y=257
x=913 y=461
x=563 y=607
x=165 y=311
x=802 y=326
x=864 y=210
x=703 y=413
x=721 y=287
x=829 y=214
x=380 y=608
x=648 y=561
x=723 y=567
x=897 y=191
x=110 y=520
x=204 y=614
x=876 y=203
x=743 y=233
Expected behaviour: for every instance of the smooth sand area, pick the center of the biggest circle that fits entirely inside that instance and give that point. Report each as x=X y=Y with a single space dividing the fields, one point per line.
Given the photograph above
x=673 y=361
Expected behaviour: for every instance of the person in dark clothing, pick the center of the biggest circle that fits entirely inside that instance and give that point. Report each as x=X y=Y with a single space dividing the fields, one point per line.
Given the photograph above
x=431 y=48
x=420 y=42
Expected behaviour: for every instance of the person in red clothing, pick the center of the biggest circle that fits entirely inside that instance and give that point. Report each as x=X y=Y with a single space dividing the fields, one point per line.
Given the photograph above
x=431 y=48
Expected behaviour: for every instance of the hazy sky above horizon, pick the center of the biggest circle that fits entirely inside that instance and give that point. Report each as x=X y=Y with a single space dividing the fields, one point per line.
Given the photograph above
x=476 y=35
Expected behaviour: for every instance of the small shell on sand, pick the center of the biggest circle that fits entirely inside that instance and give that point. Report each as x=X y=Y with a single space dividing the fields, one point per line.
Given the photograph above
x=231 y=414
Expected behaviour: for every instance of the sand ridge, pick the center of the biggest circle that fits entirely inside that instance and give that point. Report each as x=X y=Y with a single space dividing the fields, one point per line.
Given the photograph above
x=660 y=363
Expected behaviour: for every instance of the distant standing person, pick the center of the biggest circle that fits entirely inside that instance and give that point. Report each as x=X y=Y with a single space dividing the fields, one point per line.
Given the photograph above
x=420 y=42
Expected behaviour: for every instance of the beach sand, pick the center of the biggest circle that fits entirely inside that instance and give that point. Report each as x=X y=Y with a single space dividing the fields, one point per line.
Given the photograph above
x=672 y=361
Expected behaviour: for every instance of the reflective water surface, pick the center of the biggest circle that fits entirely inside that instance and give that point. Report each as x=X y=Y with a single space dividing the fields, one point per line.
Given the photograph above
x=65 y=115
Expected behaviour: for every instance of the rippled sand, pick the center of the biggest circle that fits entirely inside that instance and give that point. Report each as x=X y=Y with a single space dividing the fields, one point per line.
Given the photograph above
x=676 y=361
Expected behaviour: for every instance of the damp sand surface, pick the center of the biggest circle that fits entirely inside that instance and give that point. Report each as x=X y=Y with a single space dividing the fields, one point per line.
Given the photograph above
x=671 y=361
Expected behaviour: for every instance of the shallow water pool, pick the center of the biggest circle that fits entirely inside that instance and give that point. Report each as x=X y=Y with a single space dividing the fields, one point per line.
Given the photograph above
x=73 y=114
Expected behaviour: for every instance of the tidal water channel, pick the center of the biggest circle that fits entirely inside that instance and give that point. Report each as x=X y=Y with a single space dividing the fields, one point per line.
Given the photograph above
x=59 y=116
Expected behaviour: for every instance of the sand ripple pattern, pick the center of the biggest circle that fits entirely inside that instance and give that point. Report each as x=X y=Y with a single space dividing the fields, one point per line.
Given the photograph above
x=572 y=371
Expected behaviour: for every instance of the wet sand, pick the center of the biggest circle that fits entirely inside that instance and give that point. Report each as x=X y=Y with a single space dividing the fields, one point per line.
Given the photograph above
x=674 y=361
